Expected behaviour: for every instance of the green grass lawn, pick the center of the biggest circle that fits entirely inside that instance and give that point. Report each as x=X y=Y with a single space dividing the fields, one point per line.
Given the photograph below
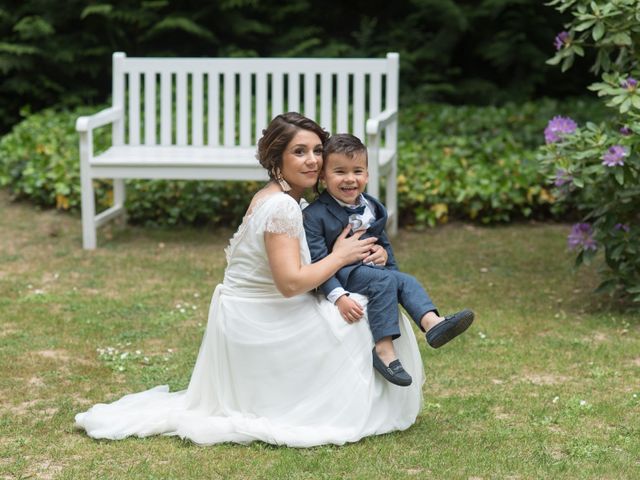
x=546 y=383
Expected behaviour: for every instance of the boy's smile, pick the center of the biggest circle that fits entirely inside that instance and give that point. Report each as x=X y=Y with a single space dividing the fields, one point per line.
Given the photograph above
x=346 y=177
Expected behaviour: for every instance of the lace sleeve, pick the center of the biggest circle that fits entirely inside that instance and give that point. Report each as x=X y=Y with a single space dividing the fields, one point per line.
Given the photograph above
x=284 y=216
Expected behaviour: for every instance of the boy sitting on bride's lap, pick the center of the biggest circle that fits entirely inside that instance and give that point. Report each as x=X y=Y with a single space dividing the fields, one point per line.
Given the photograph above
x=345 y=174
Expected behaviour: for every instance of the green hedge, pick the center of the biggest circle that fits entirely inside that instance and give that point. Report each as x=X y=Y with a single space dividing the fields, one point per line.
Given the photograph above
x=475 y=163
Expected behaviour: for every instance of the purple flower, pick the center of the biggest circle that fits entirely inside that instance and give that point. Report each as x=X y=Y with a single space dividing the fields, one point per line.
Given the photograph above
x=557 y=126
x=614 y=156
x=622 y=226
x=562 y=177
x=630 y=83
x=582 y=236
x=626 y=131
x=561 y=40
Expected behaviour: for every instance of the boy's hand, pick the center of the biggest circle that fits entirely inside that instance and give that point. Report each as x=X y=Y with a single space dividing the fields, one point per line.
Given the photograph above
x=350 y=310
x=378 y=256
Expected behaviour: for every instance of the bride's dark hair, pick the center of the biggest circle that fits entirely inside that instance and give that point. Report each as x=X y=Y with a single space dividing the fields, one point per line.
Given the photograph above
x=277 y=136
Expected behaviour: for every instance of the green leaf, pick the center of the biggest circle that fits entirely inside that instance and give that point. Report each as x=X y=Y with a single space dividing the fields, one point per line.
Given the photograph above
x=619 y=175
x=555 y=60
x=584 y=25
x=607 y=286
x=622 y=38
x=566 y=64
x=626 y=105
x=578 y=182
x=180 y=23
x=103 y=9
x=598 y=31
x=33 y=27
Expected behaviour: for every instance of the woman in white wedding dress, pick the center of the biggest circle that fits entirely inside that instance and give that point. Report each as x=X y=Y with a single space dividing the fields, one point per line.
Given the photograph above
x=277 y=363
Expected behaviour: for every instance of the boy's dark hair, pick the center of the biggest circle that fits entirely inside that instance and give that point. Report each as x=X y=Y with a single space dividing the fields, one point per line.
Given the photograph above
x=345 y=144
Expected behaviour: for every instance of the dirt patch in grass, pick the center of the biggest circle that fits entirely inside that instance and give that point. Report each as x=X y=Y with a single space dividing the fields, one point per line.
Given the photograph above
x=7 y=329
x=544 y=378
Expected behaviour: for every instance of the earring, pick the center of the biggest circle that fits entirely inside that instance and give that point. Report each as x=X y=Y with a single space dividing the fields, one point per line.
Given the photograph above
x=284 y=185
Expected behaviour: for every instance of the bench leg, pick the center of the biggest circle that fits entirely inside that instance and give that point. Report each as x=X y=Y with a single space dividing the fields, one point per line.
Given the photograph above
x=119 y=196
x=88 y=213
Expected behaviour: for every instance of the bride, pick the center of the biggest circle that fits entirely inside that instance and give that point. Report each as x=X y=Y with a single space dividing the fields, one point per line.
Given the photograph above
x=277 y=363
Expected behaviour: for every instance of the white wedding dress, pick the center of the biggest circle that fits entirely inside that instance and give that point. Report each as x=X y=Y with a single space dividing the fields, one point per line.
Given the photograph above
x=287 y=371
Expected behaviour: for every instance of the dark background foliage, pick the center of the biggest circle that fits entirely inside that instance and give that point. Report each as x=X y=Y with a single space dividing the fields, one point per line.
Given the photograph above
x=56 y=52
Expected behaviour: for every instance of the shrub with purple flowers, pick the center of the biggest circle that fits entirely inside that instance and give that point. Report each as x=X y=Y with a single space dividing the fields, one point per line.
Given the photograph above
x=596 y=167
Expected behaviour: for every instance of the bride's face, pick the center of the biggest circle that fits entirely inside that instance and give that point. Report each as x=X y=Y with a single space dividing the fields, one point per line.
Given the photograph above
x=302 y=161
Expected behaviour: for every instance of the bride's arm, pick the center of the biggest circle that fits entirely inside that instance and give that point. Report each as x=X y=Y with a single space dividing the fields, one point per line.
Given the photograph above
x=293 y=278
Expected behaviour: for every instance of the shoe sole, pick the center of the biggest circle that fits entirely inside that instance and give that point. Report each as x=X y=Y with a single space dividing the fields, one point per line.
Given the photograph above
x=448 y=335
x=380 y=367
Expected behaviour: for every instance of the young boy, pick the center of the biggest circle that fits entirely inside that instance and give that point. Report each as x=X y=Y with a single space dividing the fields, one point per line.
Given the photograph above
x=342 y=203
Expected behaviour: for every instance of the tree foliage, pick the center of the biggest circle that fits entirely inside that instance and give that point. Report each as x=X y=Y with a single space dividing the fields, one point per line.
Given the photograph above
x=486 y=51
x=596 y=166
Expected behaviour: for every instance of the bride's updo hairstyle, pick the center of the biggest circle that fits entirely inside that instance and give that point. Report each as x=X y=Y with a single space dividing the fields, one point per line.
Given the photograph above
x=277 y=136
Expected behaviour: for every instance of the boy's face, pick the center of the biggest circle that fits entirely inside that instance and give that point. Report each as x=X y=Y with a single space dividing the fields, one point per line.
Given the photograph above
x=345 y=177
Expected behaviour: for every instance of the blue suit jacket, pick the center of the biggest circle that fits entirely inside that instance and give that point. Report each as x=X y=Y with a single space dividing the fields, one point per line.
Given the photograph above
x=325 y=219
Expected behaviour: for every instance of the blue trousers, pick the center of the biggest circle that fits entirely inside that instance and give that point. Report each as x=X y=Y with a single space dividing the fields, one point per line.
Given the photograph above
x=385 y=289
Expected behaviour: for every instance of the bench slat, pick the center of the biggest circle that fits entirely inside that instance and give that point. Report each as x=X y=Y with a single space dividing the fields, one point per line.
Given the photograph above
x=375 y=92
x=213 y=103
x=181 y=108
x=277 y=94
x=358 y=105
x=134 y=109
x=293 y=102
x=165 y=108
x=197 y=113
x=261 y=104
x=245 y=109
x=229 y=108
x=343 y=104
x=310 y=95
x=150 y=108
x=326 y=99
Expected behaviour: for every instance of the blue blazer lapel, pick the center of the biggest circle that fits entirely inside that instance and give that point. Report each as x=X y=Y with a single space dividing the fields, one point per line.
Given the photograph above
x=379 y=224
x=335 y=209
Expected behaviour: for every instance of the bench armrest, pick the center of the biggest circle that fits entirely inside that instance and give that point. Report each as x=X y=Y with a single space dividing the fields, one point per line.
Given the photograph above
x=103 y=117
x=376 y=124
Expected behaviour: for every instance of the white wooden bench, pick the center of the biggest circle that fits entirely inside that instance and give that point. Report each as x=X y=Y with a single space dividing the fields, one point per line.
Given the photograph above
x=200 y=119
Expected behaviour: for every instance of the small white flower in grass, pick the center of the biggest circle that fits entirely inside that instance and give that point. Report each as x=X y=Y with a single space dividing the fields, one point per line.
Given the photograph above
x=193 y=307
x=182 y=310
x=583 y=403
x=199 y=324
x=482 y=335
x=484 y=270
x=635 y=395
x=138 y=352
x=555 y=399
x=29 y=286
x=38 y=291
x=146 y=359
x=170 y=350
x=124 y=355
x=196 y=295
x=121 y=368
x=178 y=306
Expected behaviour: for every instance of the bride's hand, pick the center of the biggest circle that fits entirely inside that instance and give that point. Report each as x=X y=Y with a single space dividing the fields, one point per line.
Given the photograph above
x=352 y=249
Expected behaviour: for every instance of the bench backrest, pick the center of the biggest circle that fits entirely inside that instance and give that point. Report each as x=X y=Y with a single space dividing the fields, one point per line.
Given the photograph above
x=228 y=101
